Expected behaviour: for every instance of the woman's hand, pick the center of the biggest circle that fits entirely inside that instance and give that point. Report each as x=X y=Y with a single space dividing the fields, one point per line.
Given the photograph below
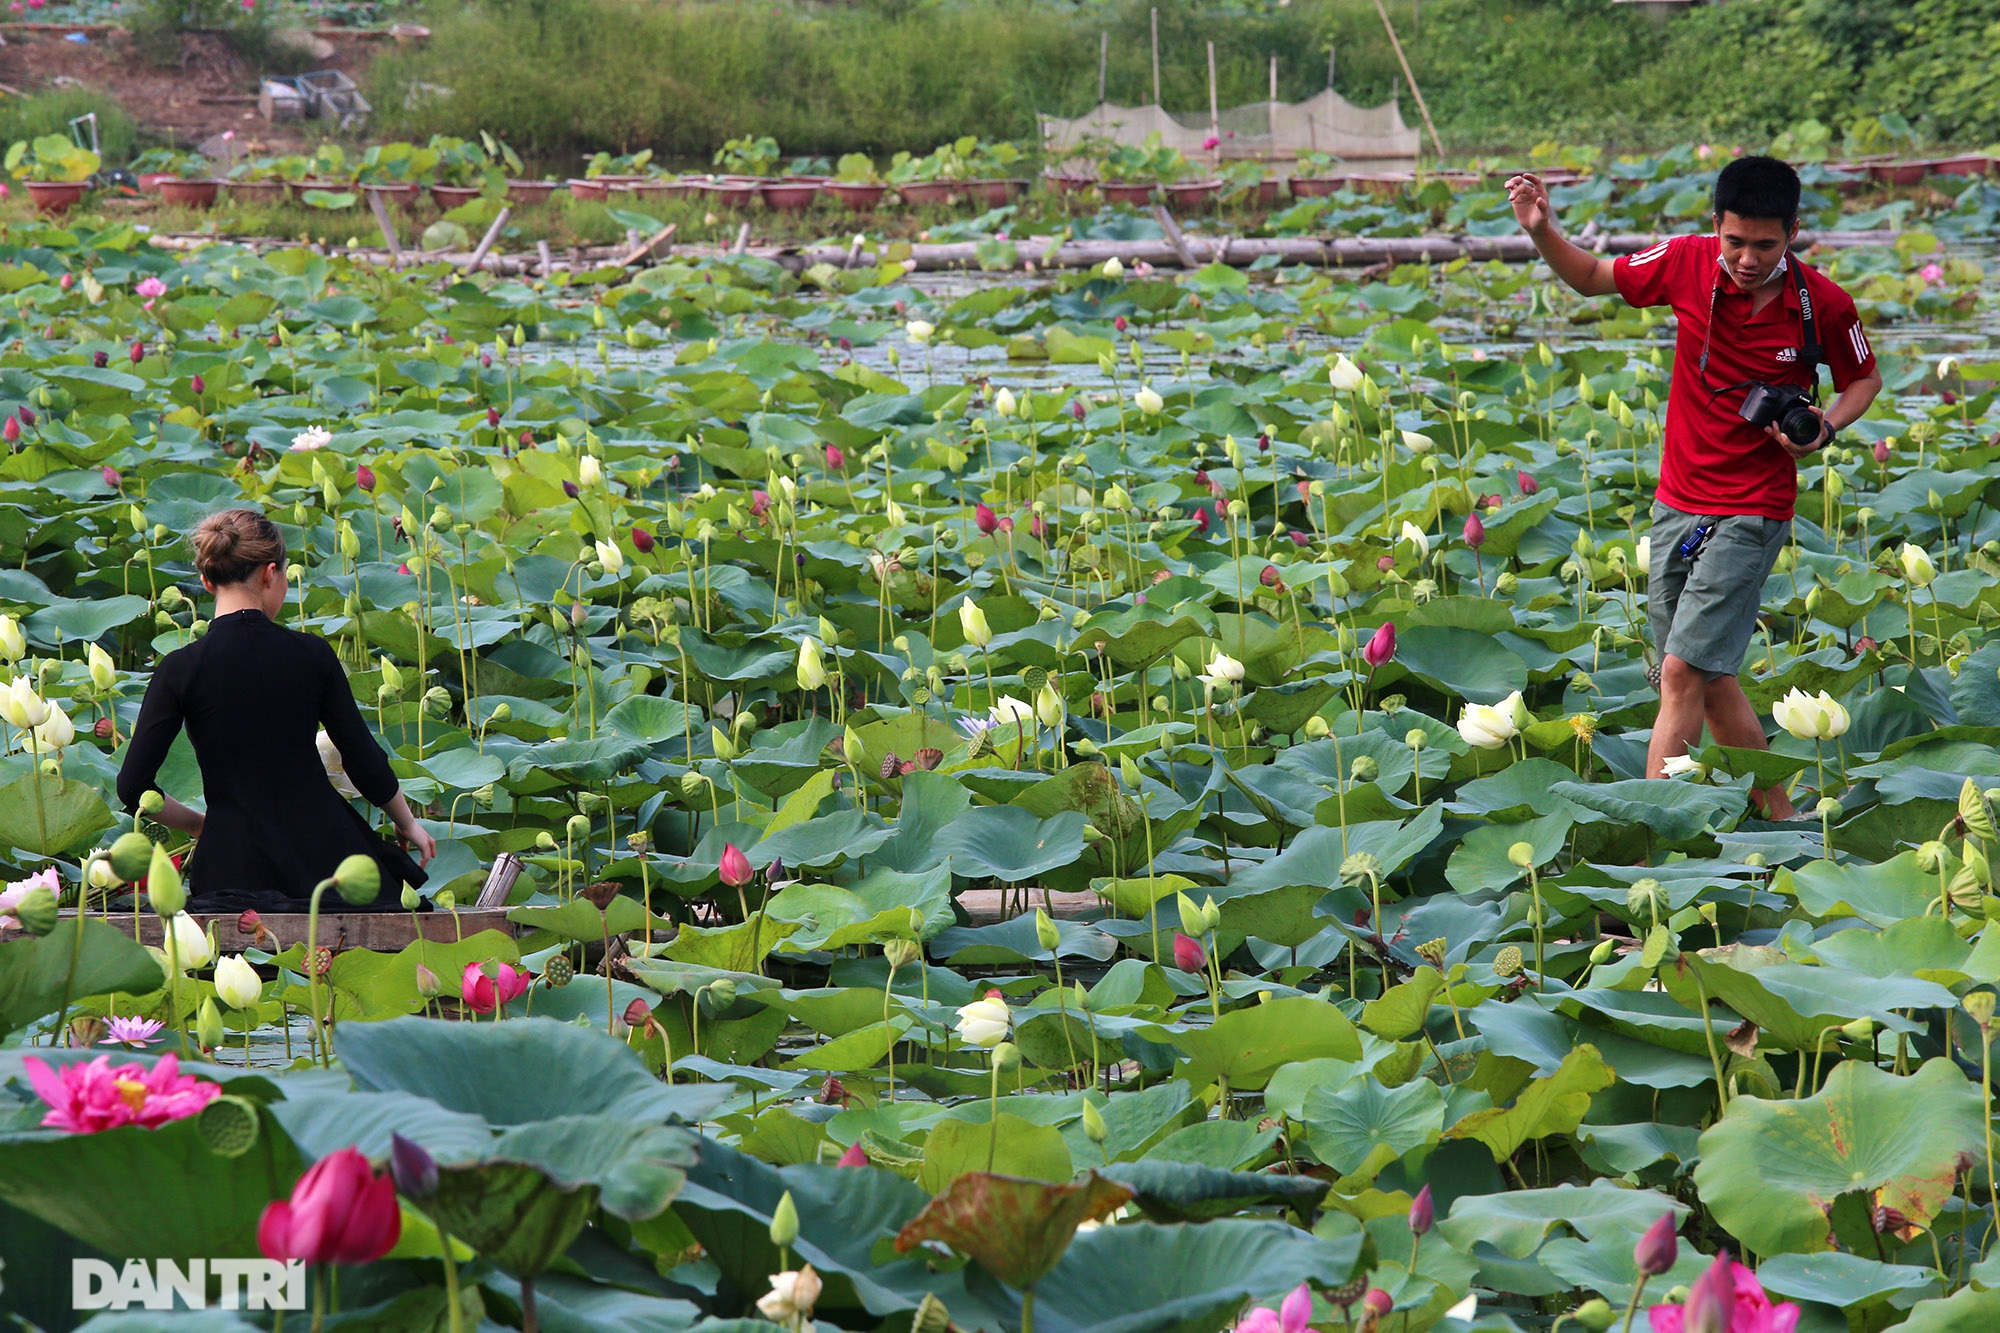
x=410 y=831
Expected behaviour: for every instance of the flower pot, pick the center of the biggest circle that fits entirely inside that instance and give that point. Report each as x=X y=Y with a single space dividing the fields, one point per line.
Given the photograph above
x=149 y=183
x=454 y=196
x=297 y=189
x=995 y=193
x=729 y=193
x=1898 y=173
x=1965 y=164
x=56 y=197
x=1457 y=180
x=856 y=197
x=189 y=194
x=790 y=196
x=404 y=196
x=1136 y=193
x=595 y=190
x=1316 y=187
x=1266 y=193
x=1386 y=184
x=1192 y=194
x=527 y=193
x=922 y=194
x=256 y=192
x=1068 y=182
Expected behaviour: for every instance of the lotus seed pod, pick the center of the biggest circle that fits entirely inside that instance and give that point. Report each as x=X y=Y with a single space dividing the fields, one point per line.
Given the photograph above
x=228 y=1125
x=1930 y=856
x=901 y=953
x=37 y=911
x=1360 y=866
x=1975 y=813
x=1006 y=1057
x=1647 y=898
x=1595 y=1314
x=1317 y=728
x=357 y=879
x=559 y=971
x=1860 y=1029
x=1522 y=854
x=1365 y=768
x=1507 y=962
x=1828 y=808
x=131 y=856
x=1980 y=1006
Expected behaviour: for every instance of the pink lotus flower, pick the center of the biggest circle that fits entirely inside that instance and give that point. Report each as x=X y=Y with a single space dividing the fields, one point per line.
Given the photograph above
x=1291 y=1316
x=1725 y=1299
x=735 y=868
x=87 y=1098
x=483 y=993
x=988 y=522
x=150 y=287
x=1933 y=274
x=1189 y=956
x=1210 y=143
x=760 y=503
x=1475 y=532
x=137 y=1033
x=45 y=878
x=340 y=1212
x=1381 y=645
x=1528 y=484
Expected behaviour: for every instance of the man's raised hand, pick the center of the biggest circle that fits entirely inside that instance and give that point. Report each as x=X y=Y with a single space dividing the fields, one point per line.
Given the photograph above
x=1530 y=201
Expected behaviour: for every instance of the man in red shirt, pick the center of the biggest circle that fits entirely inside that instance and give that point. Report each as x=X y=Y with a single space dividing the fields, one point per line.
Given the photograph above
x=1724 y=506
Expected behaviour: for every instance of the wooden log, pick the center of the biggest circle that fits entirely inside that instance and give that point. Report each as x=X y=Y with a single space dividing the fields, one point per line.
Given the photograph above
x=384 y=932
x=643 y=250
x=486 y=241
x=1174 y=237
x=381 y=212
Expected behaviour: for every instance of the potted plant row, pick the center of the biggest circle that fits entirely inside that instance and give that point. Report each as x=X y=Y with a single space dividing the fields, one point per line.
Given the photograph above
x=179 y=177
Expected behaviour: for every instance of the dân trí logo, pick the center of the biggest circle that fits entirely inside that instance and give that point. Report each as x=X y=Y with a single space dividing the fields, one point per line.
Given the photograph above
x=162 y=1284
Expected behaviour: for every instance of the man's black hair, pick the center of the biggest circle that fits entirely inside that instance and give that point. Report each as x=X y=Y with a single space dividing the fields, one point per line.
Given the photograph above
x=1758 y=187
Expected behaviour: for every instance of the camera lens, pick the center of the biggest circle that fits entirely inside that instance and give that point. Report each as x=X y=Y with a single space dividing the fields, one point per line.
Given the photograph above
x=1801 y=425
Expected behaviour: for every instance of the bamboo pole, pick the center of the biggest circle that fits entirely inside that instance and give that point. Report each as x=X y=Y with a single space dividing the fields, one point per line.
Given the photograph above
x=1103 y=63
x=1156 y=57
x=1214 y=108
x=1415 y=91
x=381 y=212
x=486 y=241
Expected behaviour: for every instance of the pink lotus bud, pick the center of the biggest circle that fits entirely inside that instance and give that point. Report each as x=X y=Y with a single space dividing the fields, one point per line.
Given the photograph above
x=1076 y=408
x=1381 y=646
x=199 y=385
x=1423 y=1213
x=570 y=489
x=27 y=415
x=138 y=353
x=1881 y=451
x=853 y=1156
x=1378 y=1302
x=1299 y=538
x=1658 y=1248
x=642 y=541
x=11 y=432
x=1119 y=323
x=1201 y=520
x=1711 y=1302
x=835 y=459
x=364 y=477
x=100 y=359
x=1385 y=563
x=68 y=281
x=1475 y=532
x=1528 y=484
x=984 y=517
x=735 y=868
x=492 y=418
x=486 y=360
x=111 y=477
x=1189 y=956
x=527 y=439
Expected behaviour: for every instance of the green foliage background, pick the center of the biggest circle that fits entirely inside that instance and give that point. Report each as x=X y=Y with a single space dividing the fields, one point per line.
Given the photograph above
x=561 y=76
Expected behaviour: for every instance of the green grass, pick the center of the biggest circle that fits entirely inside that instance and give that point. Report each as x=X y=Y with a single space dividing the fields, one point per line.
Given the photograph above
x=558 y=78
x=51 y=113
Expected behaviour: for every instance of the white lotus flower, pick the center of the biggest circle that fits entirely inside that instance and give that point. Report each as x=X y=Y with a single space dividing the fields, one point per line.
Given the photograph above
x=103 y=671
x=611 y=557
x=1113 y=269
x=1811 y=717
x=1488 y=726
x=237 y=982
x=1147 y=401
x=1222 y=670
x=984 y=1022
x=13 y=647
x=1917 y=566
x=1344 y=376
x=973 y=621
x=1414 y=535
x=812 y=667
x=920 y=330
x=311 y=438
x=56 y=731
x=192 y=946
x=335 y=766
x=1417 y=443
x=1004 y=404
x=1642 y=554
x=589 y=472
x=21 y=706
x=1007 y=709
x=1680 y=766
x=1946 y=367
x=791 y=1297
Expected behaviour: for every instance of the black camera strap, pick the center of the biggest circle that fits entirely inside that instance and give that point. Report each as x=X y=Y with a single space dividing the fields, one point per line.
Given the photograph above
x=1810 y=354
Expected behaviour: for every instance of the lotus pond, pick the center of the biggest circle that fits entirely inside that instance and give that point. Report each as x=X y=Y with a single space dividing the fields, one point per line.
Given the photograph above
x=1110 y=802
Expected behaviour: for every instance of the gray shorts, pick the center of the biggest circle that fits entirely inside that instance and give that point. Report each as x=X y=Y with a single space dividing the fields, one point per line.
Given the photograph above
x=1704 y=610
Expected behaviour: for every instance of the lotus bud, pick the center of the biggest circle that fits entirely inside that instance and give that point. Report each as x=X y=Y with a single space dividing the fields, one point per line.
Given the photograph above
x=1193 y=922
x=163 y=884
x=1522 y=854
x=131 y=856
x=1602 y=953
x=1094 y=1127
x=1006 y=1057
x=358 y=879
x=1046 y=933
x=785 y=1222
x=1658 y=1248
x=413 y=1169
x=208 y=1030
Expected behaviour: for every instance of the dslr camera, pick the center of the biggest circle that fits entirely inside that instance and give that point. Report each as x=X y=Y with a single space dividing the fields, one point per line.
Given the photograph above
x=1784 y=406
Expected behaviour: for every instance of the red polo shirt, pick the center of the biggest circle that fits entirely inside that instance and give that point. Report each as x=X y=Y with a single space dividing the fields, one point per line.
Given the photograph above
x=1715 y=462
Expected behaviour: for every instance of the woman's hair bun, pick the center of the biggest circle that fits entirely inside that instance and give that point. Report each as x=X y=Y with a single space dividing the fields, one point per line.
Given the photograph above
x=232 y=545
